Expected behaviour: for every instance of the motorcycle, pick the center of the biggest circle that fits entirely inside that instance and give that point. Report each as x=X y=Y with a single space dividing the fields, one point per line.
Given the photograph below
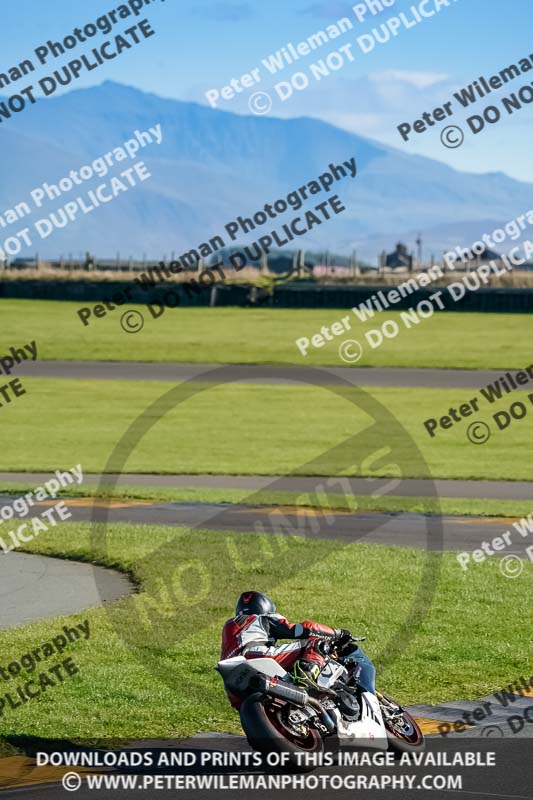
x=279 y=716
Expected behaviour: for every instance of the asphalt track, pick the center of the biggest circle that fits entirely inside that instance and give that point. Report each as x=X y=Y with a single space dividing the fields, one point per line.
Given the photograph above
x=396 y=528
x=325 y=376
x=41 y=588
x=37 y=587
x=406 y=487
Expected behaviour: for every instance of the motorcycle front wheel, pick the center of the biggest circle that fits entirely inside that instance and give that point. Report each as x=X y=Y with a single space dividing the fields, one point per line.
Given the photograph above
x=403 y=732
x=268 y=729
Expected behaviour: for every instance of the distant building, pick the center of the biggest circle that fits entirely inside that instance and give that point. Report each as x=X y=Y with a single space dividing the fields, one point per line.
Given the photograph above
x=489 y=255
x=399 y=259
x=469 y=260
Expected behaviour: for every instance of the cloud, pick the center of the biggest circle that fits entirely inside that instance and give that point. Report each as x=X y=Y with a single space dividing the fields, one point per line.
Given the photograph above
x=420 y=80
x=370 y=105
x=225 y=10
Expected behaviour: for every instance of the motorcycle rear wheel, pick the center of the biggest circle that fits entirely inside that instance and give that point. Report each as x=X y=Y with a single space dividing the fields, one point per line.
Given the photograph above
x=266 y=728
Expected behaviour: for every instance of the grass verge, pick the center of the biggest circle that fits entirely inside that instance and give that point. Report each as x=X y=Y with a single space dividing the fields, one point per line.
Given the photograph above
x=253 y=429
x=256 y=336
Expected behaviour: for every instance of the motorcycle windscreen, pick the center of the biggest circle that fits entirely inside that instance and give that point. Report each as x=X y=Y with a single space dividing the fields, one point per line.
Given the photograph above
x=365 y=672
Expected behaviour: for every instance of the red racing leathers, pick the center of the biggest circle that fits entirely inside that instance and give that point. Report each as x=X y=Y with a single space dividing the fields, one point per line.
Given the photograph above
x=254 y=636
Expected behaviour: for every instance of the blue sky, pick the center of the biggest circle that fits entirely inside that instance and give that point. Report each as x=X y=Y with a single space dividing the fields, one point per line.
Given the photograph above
x=202 y=45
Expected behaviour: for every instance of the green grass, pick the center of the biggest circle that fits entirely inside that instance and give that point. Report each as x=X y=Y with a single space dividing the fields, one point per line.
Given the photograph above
x=147 y=670
x=513 y=509
x=234 y=335
x=254 y=429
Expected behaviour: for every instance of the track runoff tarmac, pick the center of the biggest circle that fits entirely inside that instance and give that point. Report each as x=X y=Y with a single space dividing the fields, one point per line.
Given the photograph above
x=460 y=533
x=359 y=376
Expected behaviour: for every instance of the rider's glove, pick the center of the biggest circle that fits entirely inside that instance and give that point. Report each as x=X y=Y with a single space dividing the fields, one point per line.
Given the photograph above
x=342 y=636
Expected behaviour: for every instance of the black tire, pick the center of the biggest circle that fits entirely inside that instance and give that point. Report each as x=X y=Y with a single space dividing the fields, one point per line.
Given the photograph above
x=259 y=716
x=405 y=739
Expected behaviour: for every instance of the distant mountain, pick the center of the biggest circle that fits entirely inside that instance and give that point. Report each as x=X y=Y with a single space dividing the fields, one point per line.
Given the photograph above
x=214 y=165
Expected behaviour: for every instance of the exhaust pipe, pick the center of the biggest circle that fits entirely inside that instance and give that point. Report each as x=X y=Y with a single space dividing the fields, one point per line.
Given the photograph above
x=300 y=698
x=278 y=689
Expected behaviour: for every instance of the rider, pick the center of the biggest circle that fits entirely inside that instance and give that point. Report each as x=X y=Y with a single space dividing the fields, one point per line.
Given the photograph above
x=256 y=626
